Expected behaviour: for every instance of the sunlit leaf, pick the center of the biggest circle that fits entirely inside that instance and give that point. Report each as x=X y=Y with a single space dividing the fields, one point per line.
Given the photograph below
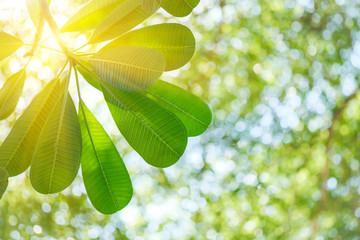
x=3 y=181
x=8 y=44
x=155 y=133
x=106 y=179
x=57 y=153
x=34 y=10
x=129 y=67
x=175 y=42
x=126 y=16
x=190 y=109
x=179 y=8
x=17 y=150
x=10 y=93
x=150 y=5
x=88 y=77
x=90 y=15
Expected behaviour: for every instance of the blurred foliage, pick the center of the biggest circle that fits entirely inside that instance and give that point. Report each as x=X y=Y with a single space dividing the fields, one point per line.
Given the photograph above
x=281 y=160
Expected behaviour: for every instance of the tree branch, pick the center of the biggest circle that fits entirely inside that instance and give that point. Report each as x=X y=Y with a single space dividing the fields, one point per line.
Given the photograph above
x=37 y=38
x=45 y=13
x=326 y=170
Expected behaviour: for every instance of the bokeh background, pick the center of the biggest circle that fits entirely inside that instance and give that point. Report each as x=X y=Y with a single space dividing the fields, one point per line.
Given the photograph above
x=281 y=159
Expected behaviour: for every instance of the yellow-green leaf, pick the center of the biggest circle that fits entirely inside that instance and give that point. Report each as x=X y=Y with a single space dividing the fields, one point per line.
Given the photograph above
x=90 y=15
x=150 y=5
x=175 y=42
x=129 y=67
x=3 y=181
x=179 y=8
x=106 y=179
x=10 y=93
x=17 y=150
x=125 y=17
x=57 y=153
x=88 y=77
x=8 y=45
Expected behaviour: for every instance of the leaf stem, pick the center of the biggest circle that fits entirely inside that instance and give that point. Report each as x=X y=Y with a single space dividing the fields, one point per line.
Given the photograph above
x=78 y=86
x=62 y=69
x=80 y=47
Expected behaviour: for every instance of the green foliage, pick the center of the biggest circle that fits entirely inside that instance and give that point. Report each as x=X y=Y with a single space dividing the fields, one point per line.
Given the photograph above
x=57 y=154
x=278 y=76
x=91 y=15
x=16 y=152
x=129 y=67
x=179 y=8
x=54 y=140
x=175 y=42
x=141 y=120
x=190 y=109
x=3 y=181
x=10 y=93
x=105 y=176
x=126 y=16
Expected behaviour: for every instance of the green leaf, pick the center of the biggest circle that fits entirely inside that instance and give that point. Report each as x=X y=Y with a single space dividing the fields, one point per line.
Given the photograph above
x=57 y=154
x=179 y=8
x=8 y=45
x=88 y=77
x=175 y=42
x=106 y=179
x=34 y=10
x=155 y=133
x=194 y=113
x=11 y=92
x=3 y=181
x=17 y=150
x=129 y=67
x=90 y=15
x=125 y=17
x=150 y=5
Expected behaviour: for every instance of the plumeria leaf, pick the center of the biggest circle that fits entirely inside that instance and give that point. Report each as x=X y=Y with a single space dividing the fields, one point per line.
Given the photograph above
x=17 y=150
x=57 y=153
x=174 y=41
x=8 y=45
x=3 y=181
x=179 y=8
x=129 y=67
x=11 y=92
x=90 y=15
x=126 y=16
x=190 y=109
x=150 y=5
x=106 y=179
x=155 y=133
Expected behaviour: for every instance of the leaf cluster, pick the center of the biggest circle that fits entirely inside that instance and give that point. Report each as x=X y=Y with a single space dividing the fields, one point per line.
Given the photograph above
x=155 y=117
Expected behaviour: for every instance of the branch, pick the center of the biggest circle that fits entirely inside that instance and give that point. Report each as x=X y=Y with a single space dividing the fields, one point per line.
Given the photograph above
x=45 y=13
x=37 y=38
x=326 y=170
x=211 y=54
